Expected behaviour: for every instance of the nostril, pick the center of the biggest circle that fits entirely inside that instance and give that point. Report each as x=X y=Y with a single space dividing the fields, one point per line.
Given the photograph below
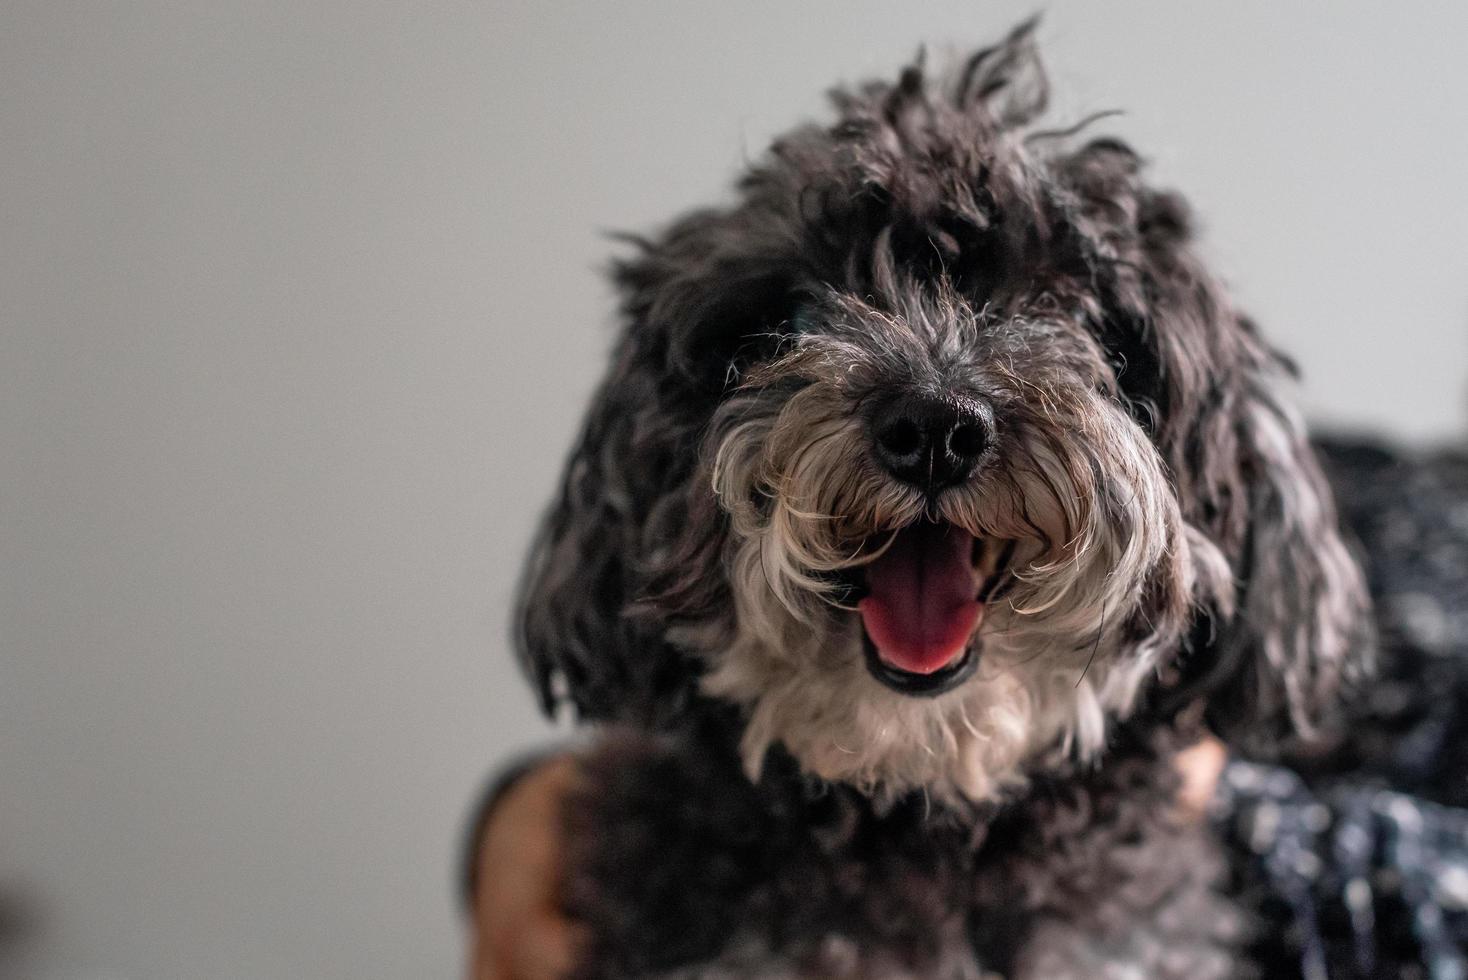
x=967 y=440
x=901 y=437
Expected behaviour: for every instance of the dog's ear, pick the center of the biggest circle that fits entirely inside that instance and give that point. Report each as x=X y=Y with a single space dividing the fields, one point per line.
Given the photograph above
x=1276 y=669
x=631 y=507
x=1283 y=624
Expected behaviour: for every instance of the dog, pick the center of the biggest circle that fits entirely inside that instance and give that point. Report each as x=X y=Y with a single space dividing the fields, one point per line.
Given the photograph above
x=937 y=496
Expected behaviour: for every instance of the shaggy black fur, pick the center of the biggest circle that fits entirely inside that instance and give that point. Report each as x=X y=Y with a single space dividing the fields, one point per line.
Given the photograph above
x=681 y=866
x=1074 y=273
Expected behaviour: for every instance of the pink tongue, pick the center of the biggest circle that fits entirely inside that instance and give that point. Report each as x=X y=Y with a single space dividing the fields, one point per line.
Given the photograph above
x=920 y=608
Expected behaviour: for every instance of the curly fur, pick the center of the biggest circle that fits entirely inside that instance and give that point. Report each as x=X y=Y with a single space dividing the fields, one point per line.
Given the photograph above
x=1075 y=482
x=1175 y=543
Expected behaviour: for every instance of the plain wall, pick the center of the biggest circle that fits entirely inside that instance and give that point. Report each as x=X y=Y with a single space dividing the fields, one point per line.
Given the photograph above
x=299 y=305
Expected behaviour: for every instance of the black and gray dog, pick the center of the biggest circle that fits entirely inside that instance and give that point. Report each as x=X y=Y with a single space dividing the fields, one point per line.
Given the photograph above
x=936 y=498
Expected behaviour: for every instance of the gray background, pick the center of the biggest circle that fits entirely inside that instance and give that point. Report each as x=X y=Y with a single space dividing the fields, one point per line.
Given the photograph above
x=300 y=305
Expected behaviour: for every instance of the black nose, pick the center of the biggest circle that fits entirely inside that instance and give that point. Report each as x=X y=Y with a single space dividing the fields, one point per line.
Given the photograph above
x=931 y=442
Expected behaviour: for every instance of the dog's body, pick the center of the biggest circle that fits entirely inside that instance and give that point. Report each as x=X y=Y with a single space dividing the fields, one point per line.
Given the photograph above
x=679 y=867
x=937 y=497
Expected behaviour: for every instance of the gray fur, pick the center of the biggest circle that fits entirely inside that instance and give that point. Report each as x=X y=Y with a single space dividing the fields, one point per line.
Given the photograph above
x=1177 y=549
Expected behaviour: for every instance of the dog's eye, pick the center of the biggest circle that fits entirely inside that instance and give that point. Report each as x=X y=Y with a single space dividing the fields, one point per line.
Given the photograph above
x=1136 y=366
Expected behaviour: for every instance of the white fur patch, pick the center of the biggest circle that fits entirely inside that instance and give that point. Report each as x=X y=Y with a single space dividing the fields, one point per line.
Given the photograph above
x=1082 y=491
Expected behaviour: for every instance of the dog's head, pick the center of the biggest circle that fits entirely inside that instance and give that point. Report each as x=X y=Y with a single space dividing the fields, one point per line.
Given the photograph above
x=935 y=453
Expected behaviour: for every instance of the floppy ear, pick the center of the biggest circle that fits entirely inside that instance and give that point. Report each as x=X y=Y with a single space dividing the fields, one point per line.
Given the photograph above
x=1299 y=636
x=629 y=506
x=1283 y=623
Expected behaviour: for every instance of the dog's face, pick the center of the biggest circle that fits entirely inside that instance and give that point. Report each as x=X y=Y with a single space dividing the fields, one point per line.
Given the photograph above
x=935 y=454
x=950 y=546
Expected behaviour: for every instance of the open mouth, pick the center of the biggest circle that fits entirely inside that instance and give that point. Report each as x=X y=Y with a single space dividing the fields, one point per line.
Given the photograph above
x=922 y=601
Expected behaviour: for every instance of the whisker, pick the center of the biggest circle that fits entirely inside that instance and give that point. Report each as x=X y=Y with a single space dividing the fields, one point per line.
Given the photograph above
x=1095 y=646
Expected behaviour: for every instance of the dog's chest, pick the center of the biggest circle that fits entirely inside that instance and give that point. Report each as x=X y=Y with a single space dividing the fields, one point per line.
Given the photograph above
x=680 y=869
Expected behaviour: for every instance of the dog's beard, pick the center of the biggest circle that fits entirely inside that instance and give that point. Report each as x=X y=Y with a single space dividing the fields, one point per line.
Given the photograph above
x=1095 y=589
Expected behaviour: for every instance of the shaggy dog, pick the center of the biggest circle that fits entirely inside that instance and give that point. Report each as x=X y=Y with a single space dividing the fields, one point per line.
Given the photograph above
x=936 y=498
